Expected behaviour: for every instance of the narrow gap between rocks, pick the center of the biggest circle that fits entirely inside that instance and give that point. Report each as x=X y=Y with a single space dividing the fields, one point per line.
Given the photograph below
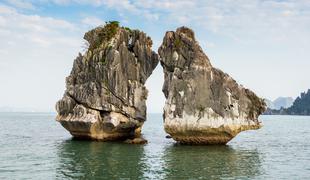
x=156 y=100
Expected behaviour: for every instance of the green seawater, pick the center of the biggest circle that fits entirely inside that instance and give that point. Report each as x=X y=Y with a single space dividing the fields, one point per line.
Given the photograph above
x=35 y=146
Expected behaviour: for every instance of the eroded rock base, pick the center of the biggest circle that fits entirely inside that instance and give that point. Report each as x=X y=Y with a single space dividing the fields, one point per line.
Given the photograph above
x=84 y=130
x=208 y=136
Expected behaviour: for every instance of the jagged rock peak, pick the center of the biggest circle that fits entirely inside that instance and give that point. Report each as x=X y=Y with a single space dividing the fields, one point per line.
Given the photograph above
x=203 y=104
x=187 y=32
x=105 y=93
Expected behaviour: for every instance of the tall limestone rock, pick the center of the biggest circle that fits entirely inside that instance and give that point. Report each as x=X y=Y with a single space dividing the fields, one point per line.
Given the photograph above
x=203 y=104
x=105 y=93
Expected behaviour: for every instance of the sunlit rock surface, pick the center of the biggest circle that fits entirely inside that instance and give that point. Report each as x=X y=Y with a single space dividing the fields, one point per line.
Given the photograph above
x=203 y=104
x=105 y=93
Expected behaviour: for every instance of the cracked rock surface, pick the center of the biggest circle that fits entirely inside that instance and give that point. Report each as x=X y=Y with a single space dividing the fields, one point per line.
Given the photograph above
x=203 y=104
x=105 y=93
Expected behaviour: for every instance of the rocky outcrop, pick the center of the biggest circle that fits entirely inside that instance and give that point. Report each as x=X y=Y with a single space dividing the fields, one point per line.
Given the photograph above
x=105 y=93
x=203 y=104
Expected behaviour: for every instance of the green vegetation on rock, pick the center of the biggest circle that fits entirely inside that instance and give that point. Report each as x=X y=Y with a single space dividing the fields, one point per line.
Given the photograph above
x=101 y=35
x=177 y=42
x=128 y=29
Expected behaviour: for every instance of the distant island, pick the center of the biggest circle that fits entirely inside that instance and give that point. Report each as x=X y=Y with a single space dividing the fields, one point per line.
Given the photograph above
x=280 y=102
x=301 y=106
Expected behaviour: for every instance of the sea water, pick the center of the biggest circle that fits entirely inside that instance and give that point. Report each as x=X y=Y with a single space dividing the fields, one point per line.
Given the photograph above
x=35 y=146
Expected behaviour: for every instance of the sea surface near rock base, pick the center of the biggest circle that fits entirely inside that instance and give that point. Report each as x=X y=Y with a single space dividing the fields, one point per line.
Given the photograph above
x=33 y=146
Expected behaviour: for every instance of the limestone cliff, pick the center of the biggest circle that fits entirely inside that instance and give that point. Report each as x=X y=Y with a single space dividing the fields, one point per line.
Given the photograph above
x=105 y=93
x=203 y=104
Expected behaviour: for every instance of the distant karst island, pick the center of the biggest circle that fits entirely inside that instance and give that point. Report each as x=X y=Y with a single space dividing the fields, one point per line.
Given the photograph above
x=105 y=91
x=300 y=106
x=280 y=102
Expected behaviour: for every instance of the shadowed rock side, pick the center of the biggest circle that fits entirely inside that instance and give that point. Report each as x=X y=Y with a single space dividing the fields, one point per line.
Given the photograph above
x=105 y=93
x=203 y=104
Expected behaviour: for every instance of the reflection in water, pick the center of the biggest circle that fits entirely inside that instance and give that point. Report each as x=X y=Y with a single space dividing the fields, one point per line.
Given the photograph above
x=94 y=160
x=211 y=162
x=159 y=159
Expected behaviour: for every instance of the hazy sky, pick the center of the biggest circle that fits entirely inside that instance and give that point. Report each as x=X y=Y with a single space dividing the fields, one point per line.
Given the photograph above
x=263 y=44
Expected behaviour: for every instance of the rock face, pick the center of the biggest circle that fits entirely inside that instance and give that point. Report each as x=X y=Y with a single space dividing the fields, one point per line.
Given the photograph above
x=203 y=104
x=105 y=93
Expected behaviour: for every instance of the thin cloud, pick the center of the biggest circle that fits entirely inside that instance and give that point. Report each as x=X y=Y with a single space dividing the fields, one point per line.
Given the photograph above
x=92 y=21
x=271 y=19
x=33 y=30
x=21 y=4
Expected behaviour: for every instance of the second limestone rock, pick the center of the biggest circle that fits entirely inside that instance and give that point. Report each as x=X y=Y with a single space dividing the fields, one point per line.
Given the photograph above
x=203 y=104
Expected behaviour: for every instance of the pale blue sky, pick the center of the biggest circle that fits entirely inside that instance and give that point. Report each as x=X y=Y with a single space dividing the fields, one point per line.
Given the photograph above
x=263 y=44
